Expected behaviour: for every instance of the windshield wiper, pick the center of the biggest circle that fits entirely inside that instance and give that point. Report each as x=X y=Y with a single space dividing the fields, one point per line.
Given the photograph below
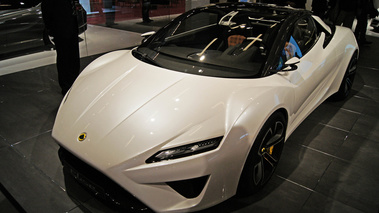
x=144 y=57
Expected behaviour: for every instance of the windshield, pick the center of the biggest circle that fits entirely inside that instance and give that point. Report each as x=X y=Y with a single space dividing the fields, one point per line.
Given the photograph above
x=214 y=42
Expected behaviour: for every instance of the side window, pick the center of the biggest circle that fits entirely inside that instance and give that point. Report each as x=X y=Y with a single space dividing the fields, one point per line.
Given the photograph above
x=303 y=36
x=291 y=49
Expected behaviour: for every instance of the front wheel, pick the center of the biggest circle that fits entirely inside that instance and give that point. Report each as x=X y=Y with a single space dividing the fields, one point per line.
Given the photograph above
x=264 y=155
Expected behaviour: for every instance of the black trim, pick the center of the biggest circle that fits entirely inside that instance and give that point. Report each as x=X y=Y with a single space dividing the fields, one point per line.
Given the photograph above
x=99 y=185
x=329 y=37
x=190 y=188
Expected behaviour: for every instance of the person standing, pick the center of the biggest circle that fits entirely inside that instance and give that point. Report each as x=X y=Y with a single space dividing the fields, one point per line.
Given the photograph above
x=320 y=7
x=145 y=11
x=366 y=10
x=110 y=13
x=333 y=9
x=296 y=3
x=61 y=23
x=300 y=3
x=346 y=13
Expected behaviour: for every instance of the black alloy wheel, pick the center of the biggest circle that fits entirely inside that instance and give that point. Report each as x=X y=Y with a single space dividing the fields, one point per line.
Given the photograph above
x=264 y=155
x=348 y=79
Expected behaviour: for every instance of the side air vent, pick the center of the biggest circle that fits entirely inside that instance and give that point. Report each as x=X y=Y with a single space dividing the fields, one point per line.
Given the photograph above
x=190 y=188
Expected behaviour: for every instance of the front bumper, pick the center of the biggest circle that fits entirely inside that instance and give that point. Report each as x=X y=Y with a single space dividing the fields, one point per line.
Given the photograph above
x=185 y=184
x=182 y=185
x=99 y=184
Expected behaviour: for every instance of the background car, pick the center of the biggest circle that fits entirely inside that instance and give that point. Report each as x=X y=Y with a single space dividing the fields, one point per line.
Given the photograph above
x=15 y=4
x=201 y=109
x=22 y=27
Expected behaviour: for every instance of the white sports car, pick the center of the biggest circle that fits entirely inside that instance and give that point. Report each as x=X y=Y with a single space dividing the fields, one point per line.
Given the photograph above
x=201 y=109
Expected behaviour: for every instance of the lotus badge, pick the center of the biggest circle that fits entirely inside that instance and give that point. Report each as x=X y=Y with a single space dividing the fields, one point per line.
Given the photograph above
x=82 y=136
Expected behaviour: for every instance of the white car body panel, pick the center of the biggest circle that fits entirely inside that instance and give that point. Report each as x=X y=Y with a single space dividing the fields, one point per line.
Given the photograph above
x=135 y=109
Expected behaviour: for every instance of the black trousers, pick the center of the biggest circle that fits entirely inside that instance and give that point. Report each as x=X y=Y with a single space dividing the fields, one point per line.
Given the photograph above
x=361 y=28
x=145 y=11
x=68 y=61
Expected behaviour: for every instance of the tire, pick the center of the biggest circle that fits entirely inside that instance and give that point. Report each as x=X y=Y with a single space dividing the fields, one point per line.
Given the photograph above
x=264 y=155
x=348 y=79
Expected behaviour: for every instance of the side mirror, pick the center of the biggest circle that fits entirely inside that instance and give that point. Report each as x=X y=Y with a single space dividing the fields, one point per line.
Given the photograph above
x=290 y=65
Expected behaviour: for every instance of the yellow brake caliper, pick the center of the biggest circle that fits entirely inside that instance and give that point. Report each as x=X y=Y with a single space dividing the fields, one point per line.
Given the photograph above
x=269 y=150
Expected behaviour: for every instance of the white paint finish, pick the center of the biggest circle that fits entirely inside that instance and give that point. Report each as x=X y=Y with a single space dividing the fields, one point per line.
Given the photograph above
x=130 y=110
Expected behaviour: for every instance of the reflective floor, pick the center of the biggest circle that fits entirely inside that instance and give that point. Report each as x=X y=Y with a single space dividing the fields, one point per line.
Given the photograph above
x=96 y=40
x=329 y=164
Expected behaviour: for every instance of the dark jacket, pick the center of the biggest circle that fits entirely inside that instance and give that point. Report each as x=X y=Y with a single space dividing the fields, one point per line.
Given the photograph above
x=348 y=5
x=319 y=5
x=59 y=17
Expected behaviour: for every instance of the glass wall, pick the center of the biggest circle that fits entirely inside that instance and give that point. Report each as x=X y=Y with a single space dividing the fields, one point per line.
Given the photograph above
x=106 y=12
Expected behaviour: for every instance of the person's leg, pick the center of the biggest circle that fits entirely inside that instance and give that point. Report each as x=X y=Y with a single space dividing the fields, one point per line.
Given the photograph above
x=340 y=18
x=68 y=62
x=145 y=11
x=361 y=28
x=349 y=19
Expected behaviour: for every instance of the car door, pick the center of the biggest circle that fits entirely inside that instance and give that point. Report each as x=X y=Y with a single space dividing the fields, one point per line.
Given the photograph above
x=309 y=78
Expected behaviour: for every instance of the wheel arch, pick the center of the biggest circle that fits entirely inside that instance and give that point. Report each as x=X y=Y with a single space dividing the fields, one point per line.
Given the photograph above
x=247 y=142
x=241 y=188
x=246 y=113
x=280 y=110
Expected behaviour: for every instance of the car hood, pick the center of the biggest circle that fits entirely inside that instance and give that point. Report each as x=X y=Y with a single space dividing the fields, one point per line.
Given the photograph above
x=128 y=108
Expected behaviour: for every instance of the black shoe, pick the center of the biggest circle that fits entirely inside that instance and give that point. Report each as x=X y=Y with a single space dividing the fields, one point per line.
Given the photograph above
x=147 y=21
x=110 y=24
x=365 y=42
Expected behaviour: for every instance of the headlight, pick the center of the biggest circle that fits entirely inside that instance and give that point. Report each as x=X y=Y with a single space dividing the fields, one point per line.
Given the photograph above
x=186 y=150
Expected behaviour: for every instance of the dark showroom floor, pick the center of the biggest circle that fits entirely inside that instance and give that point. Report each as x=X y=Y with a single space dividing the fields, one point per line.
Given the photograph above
x=329 y=164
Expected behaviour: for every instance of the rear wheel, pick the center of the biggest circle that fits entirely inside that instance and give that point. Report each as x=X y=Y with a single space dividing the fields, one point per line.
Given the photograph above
x=348 y=79
x=264 y=155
